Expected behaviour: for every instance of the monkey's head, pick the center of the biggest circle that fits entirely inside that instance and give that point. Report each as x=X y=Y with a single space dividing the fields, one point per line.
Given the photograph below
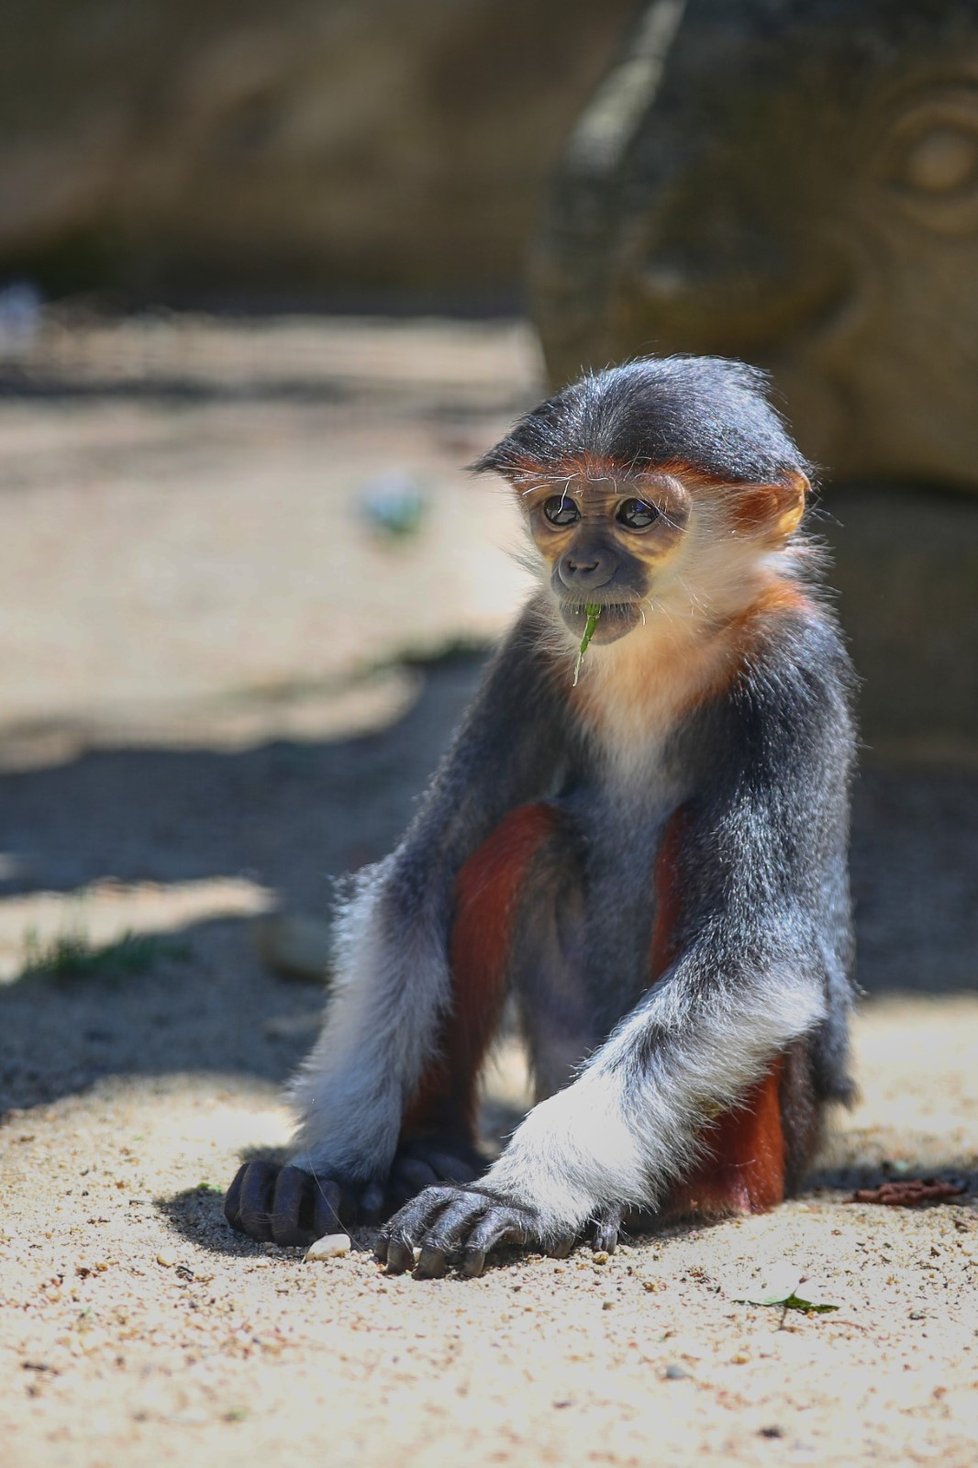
x=660 y=473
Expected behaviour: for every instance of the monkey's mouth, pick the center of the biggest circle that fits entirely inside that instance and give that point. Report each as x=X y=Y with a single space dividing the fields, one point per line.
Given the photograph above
x=615 y=620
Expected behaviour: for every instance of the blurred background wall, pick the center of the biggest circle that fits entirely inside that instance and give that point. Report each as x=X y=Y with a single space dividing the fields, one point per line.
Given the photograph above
x=310 y=152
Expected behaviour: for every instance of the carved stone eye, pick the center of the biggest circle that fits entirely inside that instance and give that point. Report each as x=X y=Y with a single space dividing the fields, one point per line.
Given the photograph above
x=943 y=159
x=559 y=510
x=636 y=514
x=930 y=161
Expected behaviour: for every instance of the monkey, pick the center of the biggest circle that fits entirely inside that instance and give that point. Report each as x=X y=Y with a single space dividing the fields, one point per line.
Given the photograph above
x=645 y=846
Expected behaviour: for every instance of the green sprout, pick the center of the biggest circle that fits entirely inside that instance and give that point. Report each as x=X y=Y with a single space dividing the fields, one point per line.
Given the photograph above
x=593 y=613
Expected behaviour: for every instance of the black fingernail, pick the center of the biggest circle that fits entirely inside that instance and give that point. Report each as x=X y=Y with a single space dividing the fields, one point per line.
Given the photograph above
x=432 y=1264
x=399 y=1257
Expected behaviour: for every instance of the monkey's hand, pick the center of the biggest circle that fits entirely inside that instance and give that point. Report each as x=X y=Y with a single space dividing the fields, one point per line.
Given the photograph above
x=462 y=1225
x=285 y=1205
x=288 y=1205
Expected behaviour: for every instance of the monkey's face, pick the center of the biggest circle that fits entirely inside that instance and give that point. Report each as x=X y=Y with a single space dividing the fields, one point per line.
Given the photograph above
x=609 y=540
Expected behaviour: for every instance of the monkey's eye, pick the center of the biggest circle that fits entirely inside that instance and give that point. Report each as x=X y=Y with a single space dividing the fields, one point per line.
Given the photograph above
x=636 y=514
x=559 y=510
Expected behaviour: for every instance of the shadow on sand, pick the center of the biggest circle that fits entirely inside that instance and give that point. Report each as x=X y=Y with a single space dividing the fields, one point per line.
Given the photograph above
x=287 y=815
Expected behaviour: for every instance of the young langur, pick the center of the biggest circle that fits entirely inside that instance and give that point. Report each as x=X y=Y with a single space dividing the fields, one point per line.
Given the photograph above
x=652 y=858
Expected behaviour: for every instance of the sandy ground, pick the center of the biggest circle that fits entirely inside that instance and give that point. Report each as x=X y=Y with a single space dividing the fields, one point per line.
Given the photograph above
x=204 y=717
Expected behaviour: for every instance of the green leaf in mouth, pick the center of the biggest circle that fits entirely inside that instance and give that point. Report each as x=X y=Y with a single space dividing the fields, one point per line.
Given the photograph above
x=593 y=613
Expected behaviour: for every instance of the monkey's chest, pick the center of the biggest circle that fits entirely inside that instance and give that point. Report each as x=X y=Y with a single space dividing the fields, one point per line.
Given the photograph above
x=625 y=841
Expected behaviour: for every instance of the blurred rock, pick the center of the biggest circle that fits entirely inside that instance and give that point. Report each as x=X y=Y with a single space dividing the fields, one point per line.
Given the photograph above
x=794 y=182
x=303 y=1026
x=293 y=945
x=226 y=148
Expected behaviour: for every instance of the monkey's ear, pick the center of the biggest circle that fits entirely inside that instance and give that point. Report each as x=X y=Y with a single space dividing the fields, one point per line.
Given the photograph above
x=773 y=511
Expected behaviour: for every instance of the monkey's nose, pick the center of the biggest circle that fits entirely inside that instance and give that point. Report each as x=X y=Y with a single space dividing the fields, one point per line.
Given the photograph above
x=583 y=572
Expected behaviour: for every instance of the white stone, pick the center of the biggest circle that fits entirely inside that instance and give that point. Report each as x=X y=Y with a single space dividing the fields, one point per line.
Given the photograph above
x=330 y=1246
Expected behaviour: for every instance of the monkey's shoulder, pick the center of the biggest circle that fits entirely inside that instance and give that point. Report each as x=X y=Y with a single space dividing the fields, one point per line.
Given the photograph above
x=786 y=714
x=795 y=661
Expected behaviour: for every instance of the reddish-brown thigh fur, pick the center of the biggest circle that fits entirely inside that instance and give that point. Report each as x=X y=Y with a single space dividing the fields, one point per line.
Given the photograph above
x=486 y=893
x=744 y=1170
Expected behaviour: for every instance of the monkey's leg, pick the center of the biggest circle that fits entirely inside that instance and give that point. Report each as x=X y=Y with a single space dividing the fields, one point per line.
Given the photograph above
x=756 y=1152
x=759 y=1151
x=743 y=1170
x=438 y=1135
x=437 y=1142
x=743 y=1167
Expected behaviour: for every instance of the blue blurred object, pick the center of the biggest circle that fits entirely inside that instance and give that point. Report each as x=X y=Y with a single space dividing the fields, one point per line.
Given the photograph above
x=21 y=310
x=393 y=504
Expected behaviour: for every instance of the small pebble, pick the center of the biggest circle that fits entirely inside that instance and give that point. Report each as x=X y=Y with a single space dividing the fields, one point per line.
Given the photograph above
x=330 y=1246
x=600 y=1256
x=166 y=1259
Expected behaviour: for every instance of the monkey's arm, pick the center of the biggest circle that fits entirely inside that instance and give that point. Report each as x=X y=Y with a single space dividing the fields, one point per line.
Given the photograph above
x=763 y=841
x=392 y=980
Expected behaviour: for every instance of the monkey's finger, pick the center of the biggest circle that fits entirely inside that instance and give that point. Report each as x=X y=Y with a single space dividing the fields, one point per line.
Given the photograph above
x=443 y=1243
x=393 y=1248
x=432 y=1262
x=560 y=1248
x=327 y=1200
x=499 y=1226
x=412 y=1222
x=291 y=1212
x=255 y=1208
x=232 y=1198
x=605 y=1238
x=397 y=1254
x=445 y=1236
x=607 y=1227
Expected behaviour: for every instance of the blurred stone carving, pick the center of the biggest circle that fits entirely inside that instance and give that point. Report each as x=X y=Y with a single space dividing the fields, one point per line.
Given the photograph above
x=206 y=148
x=794 y=182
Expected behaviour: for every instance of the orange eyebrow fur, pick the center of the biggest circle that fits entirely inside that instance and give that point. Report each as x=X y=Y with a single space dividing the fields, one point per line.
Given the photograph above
x=757 y=502
x=534 y=481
